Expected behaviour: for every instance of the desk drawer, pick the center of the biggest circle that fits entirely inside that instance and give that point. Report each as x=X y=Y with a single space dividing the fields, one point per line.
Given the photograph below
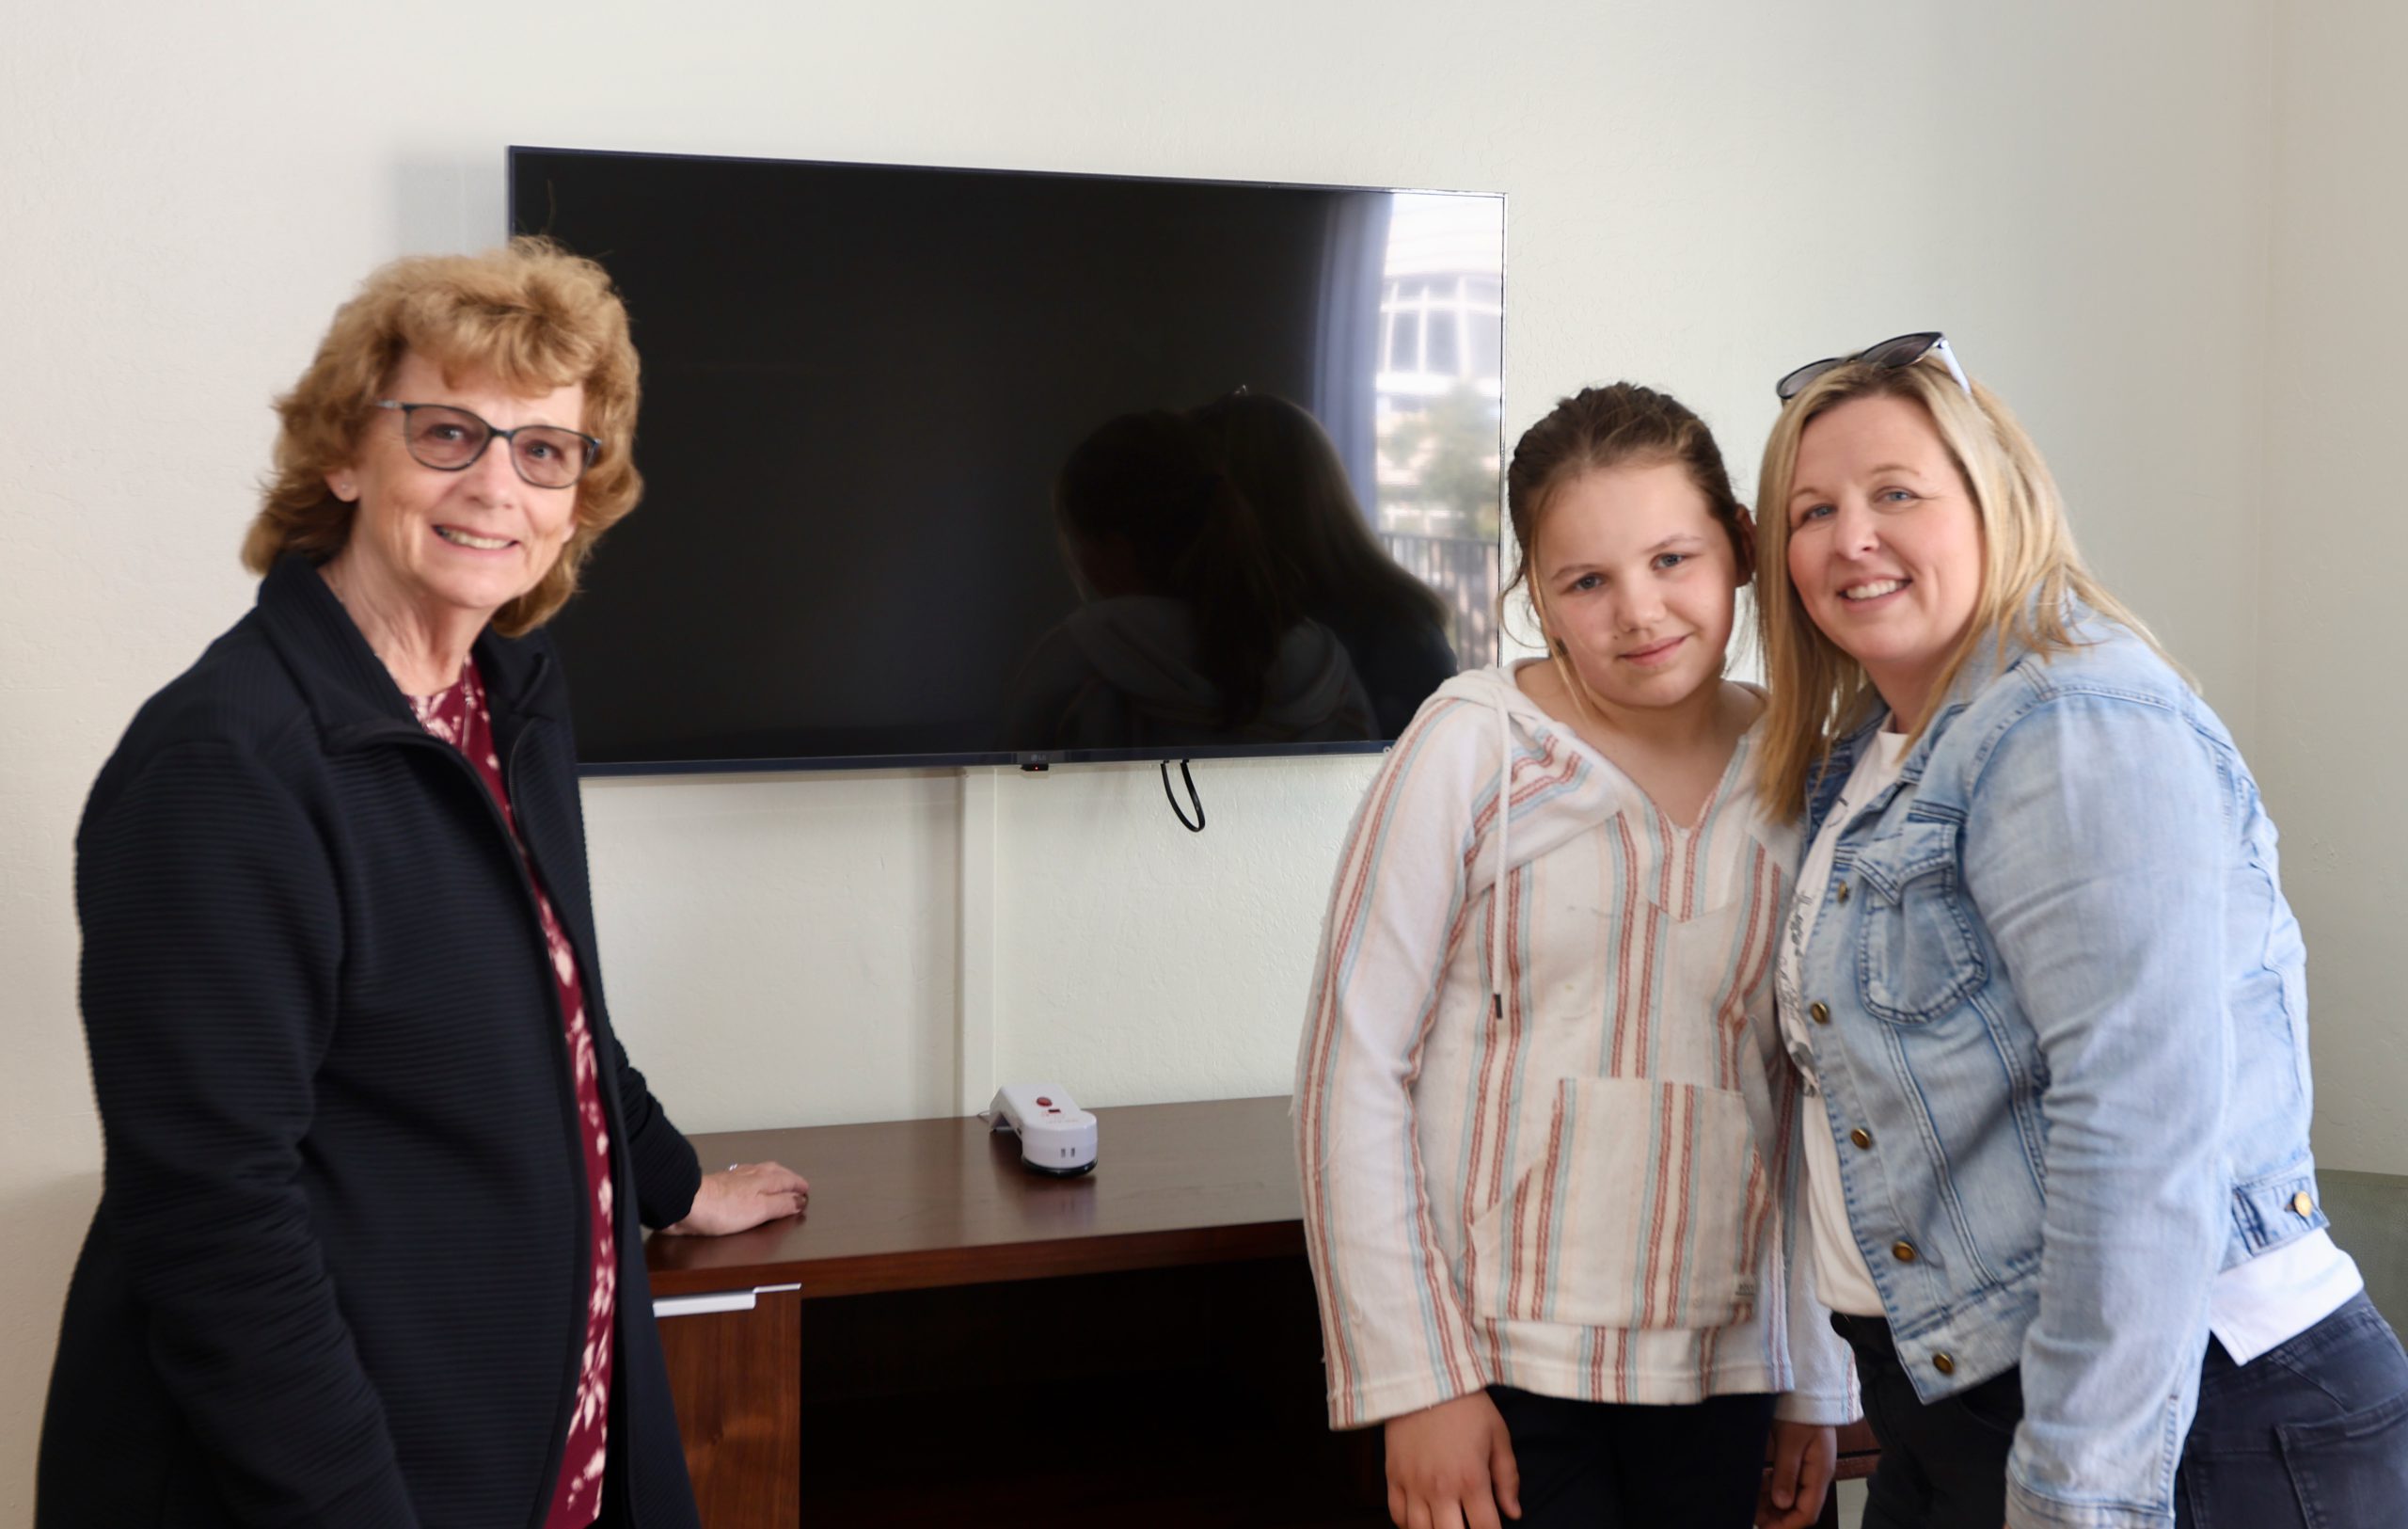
x=735 y=1370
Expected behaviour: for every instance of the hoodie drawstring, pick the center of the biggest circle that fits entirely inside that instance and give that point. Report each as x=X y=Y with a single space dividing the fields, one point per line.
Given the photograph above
x=1497 y=894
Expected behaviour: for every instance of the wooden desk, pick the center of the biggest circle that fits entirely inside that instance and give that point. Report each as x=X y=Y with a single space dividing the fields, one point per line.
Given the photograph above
x=944 y=1303
x=918 y=1204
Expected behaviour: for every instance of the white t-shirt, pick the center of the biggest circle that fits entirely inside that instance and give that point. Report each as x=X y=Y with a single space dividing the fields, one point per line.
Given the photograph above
x=2252 y=1307
x=1842 y=1278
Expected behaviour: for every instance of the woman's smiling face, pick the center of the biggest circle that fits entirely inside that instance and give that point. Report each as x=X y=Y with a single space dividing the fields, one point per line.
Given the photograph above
x=1885 y=543
x=472 y=540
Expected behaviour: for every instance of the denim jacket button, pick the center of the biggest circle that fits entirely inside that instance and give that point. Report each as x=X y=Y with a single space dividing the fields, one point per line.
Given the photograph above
x=1862 y=1137
x=1903 y=1251
x=1819 y=1012
x=1843 y=893
x=1944 y=1363
x=2303 y=1203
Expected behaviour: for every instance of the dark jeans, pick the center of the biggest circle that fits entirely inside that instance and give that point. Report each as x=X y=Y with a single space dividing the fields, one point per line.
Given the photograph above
x=2312 y=1434
x=1943 y=1466
x=2313 y=1431
x=1604 y=1465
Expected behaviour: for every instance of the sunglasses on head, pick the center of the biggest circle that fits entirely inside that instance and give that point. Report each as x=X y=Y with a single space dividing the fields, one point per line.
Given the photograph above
x=1906 y=350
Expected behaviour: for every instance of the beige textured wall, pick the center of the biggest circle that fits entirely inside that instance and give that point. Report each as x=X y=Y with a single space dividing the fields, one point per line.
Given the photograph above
x=2333 y=736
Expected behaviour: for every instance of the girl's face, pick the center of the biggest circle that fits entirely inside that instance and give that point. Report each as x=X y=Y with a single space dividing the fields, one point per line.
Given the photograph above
x=1635 y=576
x=1885 y=544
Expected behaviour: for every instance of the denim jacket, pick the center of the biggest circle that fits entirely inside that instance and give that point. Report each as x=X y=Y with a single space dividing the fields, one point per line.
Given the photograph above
x=2057 y=1010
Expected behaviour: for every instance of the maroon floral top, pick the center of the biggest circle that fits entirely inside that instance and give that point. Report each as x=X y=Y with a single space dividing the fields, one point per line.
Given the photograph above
x=460 y=717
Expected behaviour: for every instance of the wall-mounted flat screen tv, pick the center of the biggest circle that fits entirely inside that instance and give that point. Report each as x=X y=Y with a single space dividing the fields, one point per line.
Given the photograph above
x=973 y=467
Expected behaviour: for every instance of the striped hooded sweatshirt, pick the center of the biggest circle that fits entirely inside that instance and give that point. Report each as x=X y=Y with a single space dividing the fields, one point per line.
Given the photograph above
x=1549 y=1139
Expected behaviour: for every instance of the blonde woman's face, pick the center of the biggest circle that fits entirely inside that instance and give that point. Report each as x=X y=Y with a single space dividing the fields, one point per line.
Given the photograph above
x=1636 y=578
x=1885 y=543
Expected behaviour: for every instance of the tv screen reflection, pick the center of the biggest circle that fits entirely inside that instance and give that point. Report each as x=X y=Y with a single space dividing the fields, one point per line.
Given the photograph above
x=951 y=466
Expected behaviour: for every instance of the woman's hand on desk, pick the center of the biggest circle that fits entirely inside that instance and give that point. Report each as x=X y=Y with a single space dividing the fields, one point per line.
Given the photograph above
x=742 y=1197
x=1451 y=1466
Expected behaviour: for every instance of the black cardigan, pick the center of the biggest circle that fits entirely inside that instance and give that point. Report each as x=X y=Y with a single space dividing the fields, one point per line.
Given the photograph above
x=337 y=1274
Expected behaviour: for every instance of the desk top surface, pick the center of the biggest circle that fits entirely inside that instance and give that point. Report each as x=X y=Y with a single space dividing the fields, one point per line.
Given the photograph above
x=910 y=1205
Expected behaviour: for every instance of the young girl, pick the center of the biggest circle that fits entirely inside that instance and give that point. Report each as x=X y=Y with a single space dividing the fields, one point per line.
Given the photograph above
x=1547 y=1128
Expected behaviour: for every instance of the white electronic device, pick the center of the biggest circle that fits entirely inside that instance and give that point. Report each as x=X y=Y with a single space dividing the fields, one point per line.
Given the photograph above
x=1056 y=1134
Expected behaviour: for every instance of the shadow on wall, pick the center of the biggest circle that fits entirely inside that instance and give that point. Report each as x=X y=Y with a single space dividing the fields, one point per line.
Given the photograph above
x=53 y=1216
x=2370 y=1213
x=451 y=203
x=47 y=1222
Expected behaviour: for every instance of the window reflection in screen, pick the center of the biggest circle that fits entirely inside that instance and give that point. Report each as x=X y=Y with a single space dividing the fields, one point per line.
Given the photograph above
x=1436 y=396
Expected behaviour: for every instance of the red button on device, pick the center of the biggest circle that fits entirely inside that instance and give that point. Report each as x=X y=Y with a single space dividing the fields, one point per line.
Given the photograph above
x=1043 y=1100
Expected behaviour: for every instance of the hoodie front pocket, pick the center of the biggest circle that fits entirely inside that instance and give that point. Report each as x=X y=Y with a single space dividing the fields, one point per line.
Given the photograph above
x=1637 y=1204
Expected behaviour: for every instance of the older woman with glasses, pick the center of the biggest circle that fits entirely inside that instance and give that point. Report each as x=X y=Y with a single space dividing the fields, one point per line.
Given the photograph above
x=2041 y=976
x=368 y=1251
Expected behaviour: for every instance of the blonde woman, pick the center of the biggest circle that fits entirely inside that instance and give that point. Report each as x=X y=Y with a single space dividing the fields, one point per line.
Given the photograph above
x=2047 y=995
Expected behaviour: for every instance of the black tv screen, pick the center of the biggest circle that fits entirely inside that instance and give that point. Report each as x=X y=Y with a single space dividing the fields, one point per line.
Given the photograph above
x=977 y=466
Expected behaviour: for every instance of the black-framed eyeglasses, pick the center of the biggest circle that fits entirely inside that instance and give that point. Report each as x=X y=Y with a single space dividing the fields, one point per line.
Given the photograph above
x=450 y=440
x=1905 y=350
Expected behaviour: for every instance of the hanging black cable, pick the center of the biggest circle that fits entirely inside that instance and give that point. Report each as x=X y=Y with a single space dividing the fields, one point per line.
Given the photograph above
x=1198 y=826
